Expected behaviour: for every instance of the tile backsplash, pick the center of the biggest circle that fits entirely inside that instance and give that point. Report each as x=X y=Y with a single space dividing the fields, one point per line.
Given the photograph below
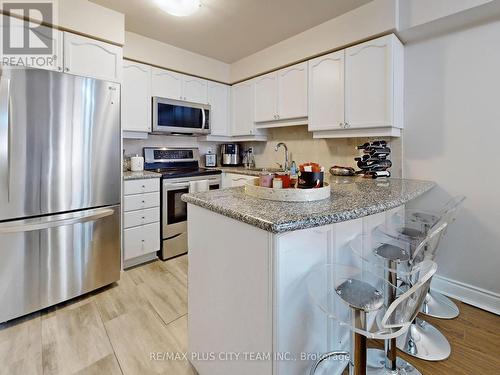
x=301 y=145
x=328 y=152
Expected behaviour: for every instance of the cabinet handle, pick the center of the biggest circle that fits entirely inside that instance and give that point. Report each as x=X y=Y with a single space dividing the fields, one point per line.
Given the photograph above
x=143 y=202
x=66 y=69
x=180 y=97
x=143 y=218
x=143 y=186
x=278 y=116
x=59 y=68
x=341 y=124
x=347 y=125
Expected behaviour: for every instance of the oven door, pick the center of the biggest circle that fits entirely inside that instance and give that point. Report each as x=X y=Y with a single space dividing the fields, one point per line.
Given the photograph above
x=174 y=213
x=175 y=116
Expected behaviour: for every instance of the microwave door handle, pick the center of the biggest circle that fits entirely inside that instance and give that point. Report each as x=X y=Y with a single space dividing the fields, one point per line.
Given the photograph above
x=5 y=130
x=203 y=118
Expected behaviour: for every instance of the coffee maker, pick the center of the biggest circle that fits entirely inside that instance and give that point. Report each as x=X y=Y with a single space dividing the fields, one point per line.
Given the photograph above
x=230 y=154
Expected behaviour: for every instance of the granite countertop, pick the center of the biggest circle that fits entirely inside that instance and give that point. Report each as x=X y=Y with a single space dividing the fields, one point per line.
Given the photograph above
x=351 y=198
x=129 y=175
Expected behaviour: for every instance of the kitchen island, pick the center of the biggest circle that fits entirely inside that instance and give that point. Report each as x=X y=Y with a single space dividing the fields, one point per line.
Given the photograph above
x=249 y=308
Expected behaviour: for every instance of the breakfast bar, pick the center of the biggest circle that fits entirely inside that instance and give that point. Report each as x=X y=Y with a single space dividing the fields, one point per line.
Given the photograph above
x=249 y=309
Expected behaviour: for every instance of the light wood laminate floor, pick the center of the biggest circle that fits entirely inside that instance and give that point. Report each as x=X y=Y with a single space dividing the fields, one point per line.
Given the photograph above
x=115 y=329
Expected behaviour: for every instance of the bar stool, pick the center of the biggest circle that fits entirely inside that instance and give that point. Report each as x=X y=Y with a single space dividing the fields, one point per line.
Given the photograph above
x=355 y=298
x=436 y=304
x=422 y=340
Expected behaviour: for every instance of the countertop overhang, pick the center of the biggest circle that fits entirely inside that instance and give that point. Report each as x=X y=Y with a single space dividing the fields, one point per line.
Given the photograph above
x=352 y=198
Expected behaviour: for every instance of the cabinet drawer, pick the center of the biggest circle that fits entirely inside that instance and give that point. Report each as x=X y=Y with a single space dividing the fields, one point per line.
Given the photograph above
x=141 y=240
x=141 y=201
x=141 y=186
x=141 y=217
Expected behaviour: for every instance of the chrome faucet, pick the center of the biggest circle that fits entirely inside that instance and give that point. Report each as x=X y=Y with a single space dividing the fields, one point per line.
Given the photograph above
x=286 y=166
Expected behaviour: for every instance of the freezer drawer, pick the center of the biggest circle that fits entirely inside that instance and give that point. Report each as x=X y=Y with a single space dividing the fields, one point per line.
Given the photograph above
x=54 y=258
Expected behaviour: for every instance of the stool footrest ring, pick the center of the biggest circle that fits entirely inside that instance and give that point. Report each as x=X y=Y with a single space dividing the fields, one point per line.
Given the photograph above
x=336 y=353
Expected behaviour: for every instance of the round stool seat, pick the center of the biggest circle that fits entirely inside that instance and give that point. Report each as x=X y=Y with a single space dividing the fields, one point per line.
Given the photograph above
x=392 y=253
x=360 y=295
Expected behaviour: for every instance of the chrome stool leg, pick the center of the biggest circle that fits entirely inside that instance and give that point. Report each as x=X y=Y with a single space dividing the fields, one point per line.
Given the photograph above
x=424 y=341
x=386 y=361
x=439 y=306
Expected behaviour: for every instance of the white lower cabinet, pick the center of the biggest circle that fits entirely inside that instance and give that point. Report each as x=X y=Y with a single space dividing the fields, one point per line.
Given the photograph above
x=141 y=221
x=234 y=179
x=141 y=240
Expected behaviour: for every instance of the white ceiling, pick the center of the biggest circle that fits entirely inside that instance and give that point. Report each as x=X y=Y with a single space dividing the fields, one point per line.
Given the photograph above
x=229 y=30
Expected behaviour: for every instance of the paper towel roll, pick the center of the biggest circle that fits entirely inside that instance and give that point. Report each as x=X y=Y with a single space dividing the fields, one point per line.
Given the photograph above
x=136 y=163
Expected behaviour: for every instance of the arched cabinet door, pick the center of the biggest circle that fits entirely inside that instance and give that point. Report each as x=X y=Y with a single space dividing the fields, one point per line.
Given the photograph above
x=242 y=109
x=266 y=92
x=326 y=92
x=292 y=92
x=136 y=97
x=92 y=58
x=166 y=84
x=195 y=90
x=369 y=84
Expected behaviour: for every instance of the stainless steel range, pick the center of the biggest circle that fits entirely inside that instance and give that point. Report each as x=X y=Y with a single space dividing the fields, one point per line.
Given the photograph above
x=181 y=174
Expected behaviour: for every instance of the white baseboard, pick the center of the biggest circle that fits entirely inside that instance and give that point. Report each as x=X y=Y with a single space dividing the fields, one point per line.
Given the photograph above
x=481 y=298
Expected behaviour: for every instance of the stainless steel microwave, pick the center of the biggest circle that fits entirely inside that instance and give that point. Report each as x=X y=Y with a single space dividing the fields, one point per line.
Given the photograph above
x=180 y=117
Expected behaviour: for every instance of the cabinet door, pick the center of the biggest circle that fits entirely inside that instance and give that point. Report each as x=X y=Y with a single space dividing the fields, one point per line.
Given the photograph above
x=195 y=90
x=242 y=118
x=266 y=98
x=166 y=84
x=136 y=97
x=369 y=84
x=292 y=92
x=46 y=36
x=218 y=98
x=326 y=92
x=91 y=58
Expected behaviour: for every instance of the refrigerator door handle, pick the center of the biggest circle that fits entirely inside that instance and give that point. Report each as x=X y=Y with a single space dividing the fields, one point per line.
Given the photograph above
x=5 y=131
x=28 y=225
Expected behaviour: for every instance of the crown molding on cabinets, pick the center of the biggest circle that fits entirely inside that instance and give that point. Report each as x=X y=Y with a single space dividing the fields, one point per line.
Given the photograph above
x=172 y=70
x=61 y=28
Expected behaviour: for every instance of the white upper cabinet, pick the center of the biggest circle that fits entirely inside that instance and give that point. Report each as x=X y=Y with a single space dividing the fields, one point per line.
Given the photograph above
x=166 y=84
x=370 y=83
x=292 y=92
x=326 y=92
x=219 y=100
x=242 y=109
x=91 y=58
x=172 y=85
x=195 y=90
x=136 y=97
x=281 y=95
x=266 y=98
x=358 y=91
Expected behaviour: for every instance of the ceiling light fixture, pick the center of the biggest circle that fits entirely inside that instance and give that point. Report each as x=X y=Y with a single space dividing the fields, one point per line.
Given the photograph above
x=179 y=8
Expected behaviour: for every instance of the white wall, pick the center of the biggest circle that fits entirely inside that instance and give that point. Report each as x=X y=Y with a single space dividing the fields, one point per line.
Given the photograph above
x=92 y=19
x=417 y=12
x=376 y=17
x=452 y=136
x=151 y=51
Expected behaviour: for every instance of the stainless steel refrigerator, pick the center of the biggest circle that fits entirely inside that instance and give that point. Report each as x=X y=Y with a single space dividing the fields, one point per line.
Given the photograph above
x=60 y=179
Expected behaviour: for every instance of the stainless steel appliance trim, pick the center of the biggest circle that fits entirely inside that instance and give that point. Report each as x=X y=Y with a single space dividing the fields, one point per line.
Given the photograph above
x=54 y=221
x=6 y=124
x=173 y=129
x=149 y=154
x=203 y=118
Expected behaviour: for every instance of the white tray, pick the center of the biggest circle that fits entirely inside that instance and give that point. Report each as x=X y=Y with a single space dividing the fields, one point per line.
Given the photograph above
x=253 y=189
